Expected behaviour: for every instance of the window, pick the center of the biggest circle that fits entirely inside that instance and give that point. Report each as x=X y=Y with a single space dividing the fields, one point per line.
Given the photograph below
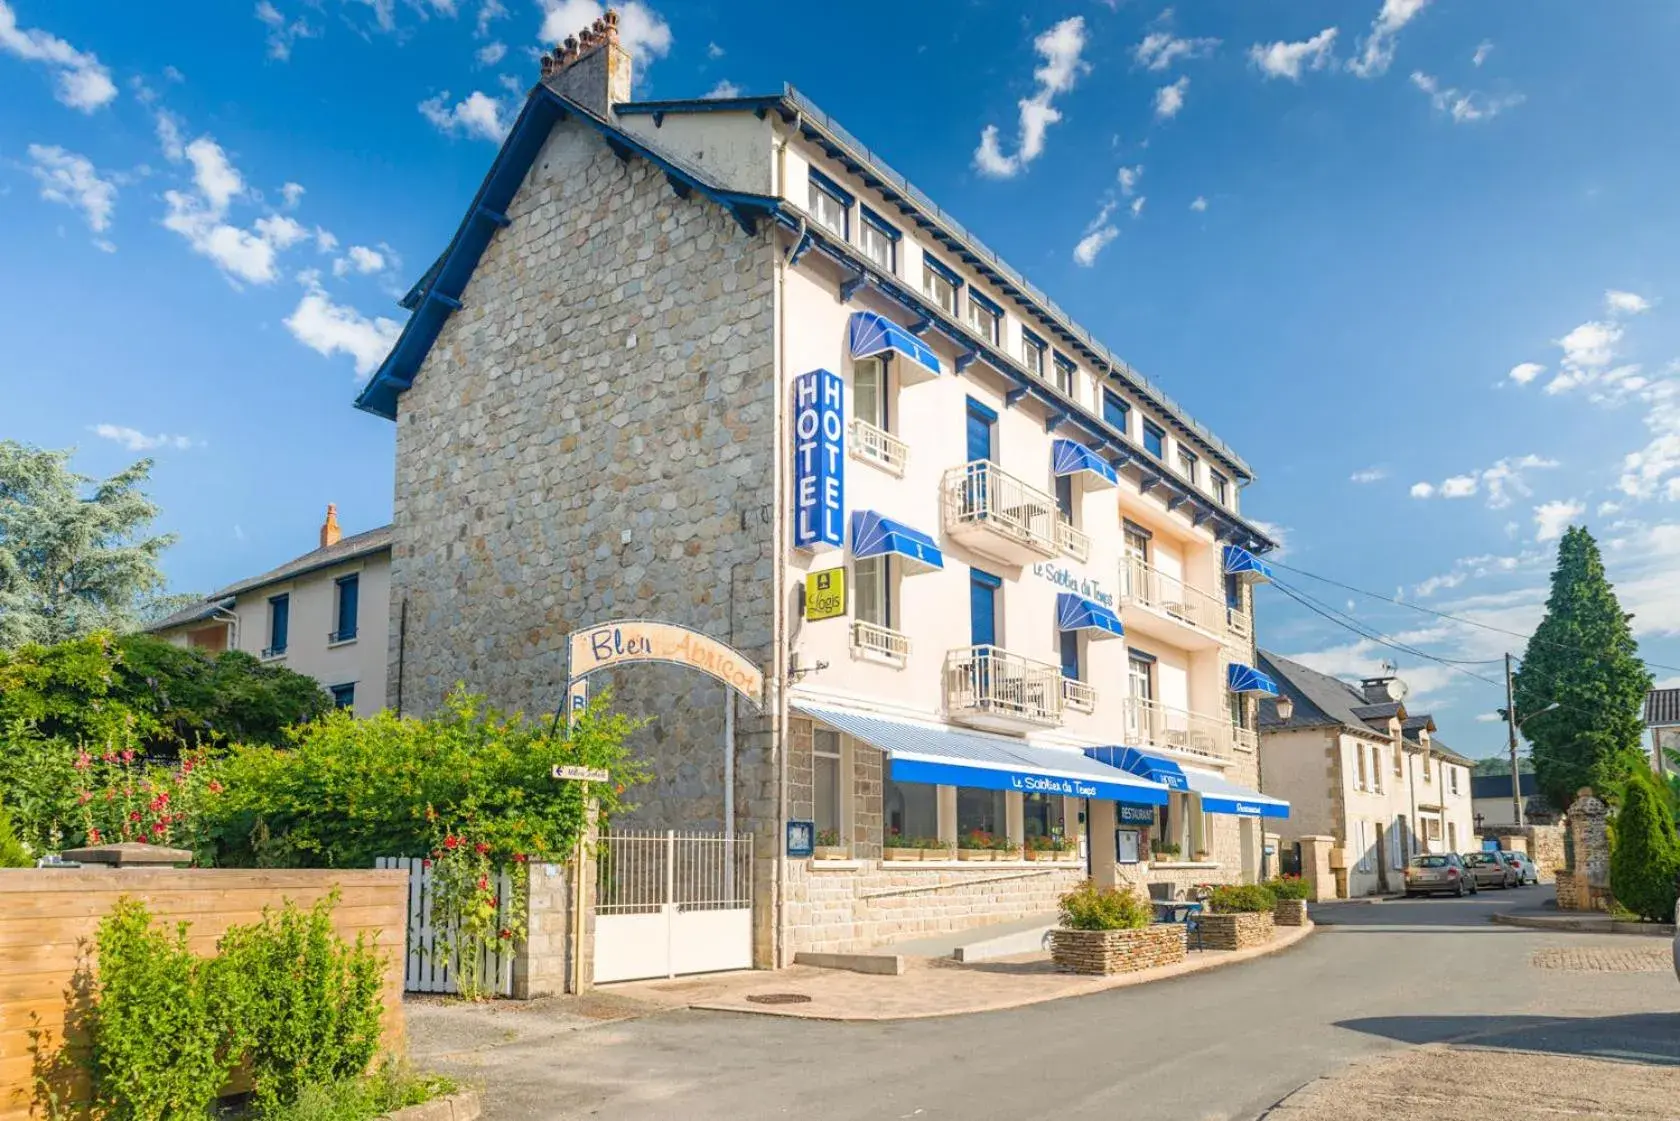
x=1064 y=377
x=1187 y=463
x=911 y=809
x=1032 y=353
x=879 y=240
x=1452 y=775
x=344 y=696
x=984 y=316
x=1137 y=542
x=1068 y=641
x=1452 y=836
x=825 y=780
x=980 y=810
x=1064 y=497
x=1399 y=761
x=1115 y=410
x=1363 y=835
x=348 y=592
x=872 y=596
x=1154 y=440
x=1359 y=760
x=869 y=392
x=1043 y=815
x=279 y=622
x=1376 y=768
x=1140 y=675
x=1427 y=777
x=829 y=204
x=1239 y=711
x=940 y=285
x=1221 y=487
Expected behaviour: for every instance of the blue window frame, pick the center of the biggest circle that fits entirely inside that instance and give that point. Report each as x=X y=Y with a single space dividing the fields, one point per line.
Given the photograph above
x=878 y=239
x=349 y=595
x=981 y=432
x=1069 y=642
x=1154 y=440
x=985 y=317
x=279 y=623
x=1033 y=351
x=941 y=284
x=830 y=203
x=344 y=696
x=1115 y=411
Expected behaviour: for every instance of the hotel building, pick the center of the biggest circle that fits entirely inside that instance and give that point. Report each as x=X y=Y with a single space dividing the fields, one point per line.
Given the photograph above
x=713 y=362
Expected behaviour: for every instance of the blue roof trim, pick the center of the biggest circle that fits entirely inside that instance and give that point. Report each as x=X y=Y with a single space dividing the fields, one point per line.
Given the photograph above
x=877 y=536
x=1070 y=458
x=1076 y=613
x=543 y=109
x=1246 y=679
x=870 y=333
x=1242 y=563
x=1144 y=765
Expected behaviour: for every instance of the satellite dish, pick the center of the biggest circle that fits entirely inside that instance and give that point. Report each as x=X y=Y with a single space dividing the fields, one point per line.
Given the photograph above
x=1397 y=689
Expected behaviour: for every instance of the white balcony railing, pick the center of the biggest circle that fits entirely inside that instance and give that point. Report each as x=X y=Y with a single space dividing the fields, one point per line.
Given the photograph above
x=995 y=513
x=1153 y=724
x=1245 y=739
x=880 y=448
x=1144 y=585
x=1075 y=543
x=990 y=687
x=1078 y=695
x=879 y=642
x=1238 y=624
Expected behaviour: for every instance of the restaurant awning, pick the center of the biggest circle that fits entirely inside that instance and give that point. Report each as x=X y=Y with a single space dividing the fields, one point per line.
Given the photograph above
x=1221 y=796
x=1068 y=457
x=1246 y=679
x=1245 y=566
x=876 y=536
x=948 y=757
x=1141 y=763
x=871 y=333
x=1076 y=613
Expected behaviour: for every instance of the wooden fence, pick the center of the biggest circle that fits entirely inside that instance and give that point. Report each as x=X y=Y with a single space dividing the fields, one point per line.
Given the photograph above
x=427 y=969
x=48 y=918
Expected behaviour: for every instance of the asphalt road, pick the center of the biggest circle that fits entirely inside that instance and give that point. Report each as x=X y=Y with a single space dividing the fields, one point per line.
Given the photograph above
x=1225 y=1044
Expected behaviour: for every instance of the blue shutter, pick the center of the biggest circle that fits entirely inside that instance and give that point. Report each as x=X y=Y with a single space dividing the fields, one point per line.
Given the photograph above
x=349 y=588
x=1070 y=654
x=982 y=609
x=981 y=422
x=279 y=620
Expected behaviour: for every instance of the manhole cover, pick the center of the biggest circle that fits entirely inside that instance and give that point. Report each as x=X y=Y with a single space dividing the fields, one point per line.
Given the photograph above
x=1603 y=959
x=779 y=998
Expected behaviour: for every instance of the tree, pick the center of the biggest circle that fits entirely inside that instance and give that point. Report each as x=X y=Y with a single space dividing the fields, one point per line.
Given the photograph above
x=75 y=556
x=12 y=852
x=1644 y=850
x=1584 y=658
x=1501 y=765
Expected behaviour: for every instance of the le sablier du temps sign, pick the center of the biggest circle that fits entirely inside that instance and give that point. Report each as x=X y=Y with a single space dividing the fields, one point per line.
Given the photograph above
x=819 y=461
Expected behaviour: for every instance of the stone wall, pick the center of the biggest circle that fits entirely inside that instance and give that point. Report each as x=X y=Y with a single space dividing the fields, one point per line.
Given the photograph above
x=1104 y=952
x=542 y=963
x=1543 y=843
x=1238 y=931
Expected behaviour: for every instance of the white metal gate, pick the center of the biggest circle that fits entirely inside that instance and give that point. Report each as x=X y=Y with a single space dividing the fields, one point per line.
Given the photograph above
x=425 y=970
x=668 y=903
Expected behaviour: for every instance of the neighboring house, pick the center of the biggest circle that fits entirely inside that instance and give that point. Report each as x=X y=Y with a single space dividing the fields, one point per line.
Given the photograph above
x=1662 y=717
x=1355 y=764
x=682 y=354
x=323 y=614
x=1491 y=801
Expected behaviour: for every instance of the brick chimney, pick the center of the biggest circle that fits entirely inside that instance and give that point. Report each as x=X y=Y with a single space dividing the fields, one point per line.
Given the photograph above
x=329 y=528
x=591 y=68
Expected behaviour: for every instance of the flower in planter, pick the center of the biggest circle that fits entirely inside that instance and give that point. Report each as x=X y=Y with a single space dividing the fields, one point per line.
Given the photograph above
x=896 y=840
x=828 y=838
x=976 y=839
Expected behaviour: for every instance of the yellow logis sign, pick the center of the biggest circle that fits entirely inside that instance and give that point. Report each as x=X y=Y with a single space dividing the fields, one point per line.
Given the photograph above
x=637 y=640
x=825 y=594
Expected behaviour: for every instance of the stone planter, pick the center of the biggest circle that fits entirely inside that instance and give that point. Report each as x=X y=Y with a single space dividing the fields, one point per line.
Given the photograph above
x=936 y=854
x=1071 y=856
x=1237 y=931
x=976 y=854
x=1042 y=855
x=830 y=852
x=901 y=854
x=1006 y=854
x=1290 y=912
x=1103 y=952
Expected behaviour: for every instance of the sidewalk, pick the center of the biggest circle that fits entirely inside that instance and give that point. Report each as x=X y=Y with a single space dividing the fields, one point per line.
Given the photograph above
x=928 y=987
x=1544 y=915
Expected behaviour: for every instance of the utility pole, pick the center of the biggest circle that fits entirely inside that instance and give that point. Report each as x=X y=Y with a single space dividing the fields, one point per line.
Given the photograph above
x=1511 y=726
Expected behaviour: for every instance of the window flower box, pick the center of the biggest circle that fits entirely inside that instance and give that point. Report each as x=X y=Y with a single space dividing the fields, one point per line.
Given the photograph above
x=976 y=854
x=897 y=847
x=940 y=853
x=829 y=846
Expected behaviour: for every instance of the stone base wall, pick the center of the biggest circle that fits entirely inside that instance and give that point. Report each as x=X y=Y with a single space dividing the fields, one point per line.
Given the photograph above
x=1103 y=952
x=1574 y=893
x=1542 y=843
x=1237 y=932
x=1290 y=912
x=866 y=903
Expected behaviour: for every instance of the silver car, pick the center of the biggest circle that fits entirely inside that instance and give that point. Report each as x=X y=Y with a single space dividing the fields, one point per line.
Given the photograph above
x=1526 y=872
x=1486 y=869
x=1437 y=872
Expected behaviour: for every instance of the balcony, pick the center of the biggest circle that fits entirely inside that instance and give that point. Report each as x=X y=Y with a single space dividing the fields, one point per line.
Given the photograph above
x=1075 y=543
x=986 y=687
x=879 y=644
x=1245 y=739
x=883 y=449
x=1151 y=724
x=997 y=515
x=1165 y=607
x=1078 y=696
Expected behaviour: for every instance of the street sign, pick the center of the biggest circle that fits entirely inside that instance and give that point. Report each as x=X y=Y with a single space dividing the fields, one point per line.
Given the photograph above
x=825 y=594
x=581 y=774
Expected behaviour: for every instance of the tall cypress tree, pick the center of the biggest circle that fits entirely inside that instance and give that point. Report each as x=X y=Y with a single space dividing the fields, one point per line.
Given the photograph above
x=1584 y=658
x=1644 y=851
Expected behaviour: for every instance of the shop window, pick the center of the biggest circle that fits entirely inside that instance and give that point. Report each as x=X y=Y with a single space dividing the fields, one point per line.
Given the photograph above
x=825 y=781
x=1044 y=815
x=980 y=810
x=910 y=809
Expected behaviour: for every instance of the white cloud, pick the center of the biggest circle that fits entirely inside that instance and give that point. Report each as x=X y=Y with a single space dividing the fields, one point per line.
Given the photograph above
x=1587 y=351
x=201 y=218
x=1369 y=475
x=1464 y=108
x=1060 y=48
x=71 y=180
x=1617 y=302
x=491 y=53
x=1489 y=718
x=1198 y=204
x=1502 y=481
x=479 y=115
x=641 y=30
x=1278 y=533
x=1458 y=486
x=359 y=259
x=291 y=194
x=329 y=328
x=1287 y=60
x=1379 y=45
x=280 y=231
x=1137 y=206
x=136 y=441
x=1483 y=49
x=1160 y=49
x=325 y=242
x=713 y=51
x=1423 y=490
x=217 y=179
x=1552 y=518
x=281 y=35
x=725 y=88
x=169 y=136
x=1474 y=568
x=1098 y=233
x=83 y=82
x=1128 y=179
x=488 y=12
x=1655 y=469
x=1524 y=372
x=1170 y=99
x=1364 y=658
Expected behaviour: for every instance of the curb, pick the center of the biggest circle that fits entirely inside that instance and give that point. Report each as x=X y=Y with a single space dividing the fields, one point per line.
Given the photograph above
x=1585 y=925
x=462 y=1106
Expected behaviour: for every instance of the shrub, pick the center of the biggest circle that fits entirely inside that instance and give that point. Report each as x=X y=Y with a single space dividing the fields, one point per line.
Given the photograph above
x=1235 y=898
x=390 y=1088
x=1088 y=907
x=976 y=839
x=1644 y=852
x=12 y=852
x=1288 y=887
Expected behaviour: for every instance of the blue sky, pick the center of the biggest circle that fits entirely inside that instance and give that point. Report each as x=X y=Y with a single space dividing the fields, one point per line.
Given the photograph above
x=1415 y=259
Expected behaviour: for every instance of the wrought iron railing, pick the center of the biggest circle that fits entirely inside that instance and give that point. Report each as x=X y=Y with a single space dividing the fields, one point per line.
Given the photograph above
x=1074 y=542
x=883 y=448
x=981 y=494
x=986 y=680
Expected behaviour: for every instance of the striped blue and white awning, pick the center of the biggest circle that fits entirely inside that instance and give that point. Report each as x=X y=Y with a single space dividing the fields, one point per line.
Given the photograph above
x=1245 y=566
x=1076 y=613
x=1068 y=457
x=1246 y=679
x=872 y=334
x=1141 y=763
x=876 y=536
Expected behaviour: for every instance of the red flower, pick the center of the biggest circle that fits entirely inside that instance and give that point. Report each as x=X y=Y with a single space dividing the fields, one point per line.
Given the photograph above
x=128 y=755
x=504 y=934
x=427 y=863
x=452 y=842
x=215 y=787
x=519 y=858
x=483 y=883
x=84 y=761
x=109 y=794
x=84 y=797
x=157 y=828
x=134 y=815
x=481 y=848
x=93 y=836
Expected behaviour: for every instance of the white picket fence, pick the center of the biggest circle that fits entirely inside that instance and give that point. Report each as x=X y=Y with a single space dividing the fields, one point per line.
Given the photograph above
x=425 y=970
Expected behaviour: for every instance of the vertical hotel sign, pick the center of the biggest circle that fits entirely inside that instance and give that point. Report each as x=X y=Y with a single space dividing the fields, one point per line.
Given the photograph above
x=819 y=461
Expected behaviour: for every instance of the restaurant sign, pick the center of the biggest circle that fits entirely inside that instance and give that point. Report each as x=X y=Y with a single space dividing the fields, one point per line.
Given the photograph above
x=638 y=640
x=1136 y=815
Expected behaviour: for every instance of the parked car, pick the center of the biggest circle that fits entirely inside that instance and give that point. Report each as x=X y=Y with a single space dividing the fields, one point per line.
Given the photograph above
x=1677 y=941
x=1488 y=870
x=1526 y=872
x=1435 y=873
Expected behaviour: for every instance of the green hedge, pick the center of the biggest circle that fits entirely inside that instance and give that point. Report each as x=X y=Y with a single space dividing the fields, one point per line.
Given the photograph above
x=1088 y=907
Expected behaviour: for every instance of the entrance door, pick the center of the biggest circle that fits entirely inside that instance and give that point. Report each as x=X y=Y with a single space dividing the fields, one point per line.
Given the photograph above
x=1382 y=860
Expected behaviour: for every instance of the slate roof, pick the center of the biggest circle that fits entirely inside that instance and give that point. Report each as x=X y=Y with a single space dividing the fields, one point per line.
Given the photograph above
x=1324 y=701
x=1499 y=786
x=1448 y=755
x=346 y=549
x=1662 y=708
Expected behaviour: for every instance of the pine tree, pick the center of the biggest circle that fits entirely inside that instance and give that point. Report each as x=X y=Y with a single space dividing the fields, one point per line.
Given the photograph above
x=1644 y=850
x=1583 y=658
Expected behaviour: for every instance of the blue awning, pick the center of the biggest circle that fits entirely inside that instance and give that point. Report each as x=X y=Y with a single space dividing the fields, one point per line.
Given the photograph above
x=872 y=334
x=1076 y=613
x=948 y=757
x=1244 y=565
x=876 y=536
x=1141 y=763
x=1246 y=679
x=1068 y=457
x=1220 y=796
